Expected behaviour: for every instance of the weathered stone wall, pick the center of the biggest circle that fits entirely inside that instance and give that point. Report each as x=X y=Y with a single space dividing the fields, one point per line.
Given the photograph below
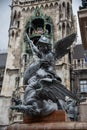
x=4 y=110
x=14 y=67
x=15 y=42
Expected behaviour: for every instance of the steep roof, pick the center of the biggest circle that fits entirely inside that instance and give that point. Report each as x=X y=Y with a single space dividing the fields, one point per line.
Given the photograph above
x=79 y=52
x=3 y=57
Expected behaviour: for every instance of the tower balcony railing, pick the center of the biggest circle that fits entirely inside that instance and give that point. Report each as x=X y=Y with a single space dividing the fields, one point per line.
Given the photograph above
x=79 y=66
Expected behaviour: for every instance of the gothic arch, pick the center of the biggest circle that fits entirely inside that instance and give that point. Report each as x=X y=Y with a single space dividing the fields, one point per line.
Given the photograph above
x=51 y=5
x=19 y=14
x=46 y=6
x=28 y=9
x=18 y=24
x=32 y=8
x=68 y=28
x=63 y=29
x=56 y=4
x=48 y=28
x=23 y=9
x=42 y=6
x=37 y=7
x=17 y=34
x=13 y=33
x=14 y=17
x=63 y=4
x=68 y=9
x=60 y=8
x=59 y=27
x=63 y=25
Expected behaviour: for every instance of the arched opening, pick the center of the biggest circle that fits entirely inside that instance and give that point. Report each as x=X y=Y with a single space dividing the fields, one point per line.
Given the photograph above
x=15 y=15
x=28 y=9
x=60 y=12
x=38 y=26
x=68 y=28
x=59 y=27
x=59 y=7
x=18 y=24
x=23 y=9
x=32 y=8
x=63 y=26
x=48 y=29
x=42 y=6
x=63 y=29
x=12 y=33
x=46 y=6
x=19 y=14
x=16 y=34
x=63 y=4
x=68 y=9
x=51 y=5
x=56 y=4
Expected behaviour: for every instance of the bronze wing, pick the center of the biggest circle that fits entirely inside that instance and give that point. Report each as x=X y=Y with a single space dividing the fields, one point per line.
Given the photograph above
x=55 y=91
x=62 y=47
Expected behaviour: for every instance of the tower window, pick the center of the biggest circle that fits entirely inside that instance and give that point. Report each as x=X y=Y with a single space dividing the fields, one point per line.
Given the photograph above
x=18 y=24
x=68 y=28
x=59 y=7
x=12 y=33
x=59 y=27
x=48 y=28
x=16 y=34
x=23 y=9
x=19 y=14
x=63 y=25
x=15 y=14
x=63 y=29
x=75 y=64
x=78 y=62
x=14 y=17
x=68 y=9
x=63 y=4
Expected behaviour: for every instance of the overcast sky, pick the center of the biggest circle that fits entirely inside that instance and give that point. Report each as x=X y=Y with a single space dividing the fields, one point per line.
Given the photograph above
x=5 y=20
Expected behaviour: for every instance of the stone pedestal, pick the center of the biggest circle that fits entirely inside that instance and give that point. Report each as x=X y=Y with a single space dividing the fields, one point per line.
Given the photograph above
x=55 y=121
x=57 y=116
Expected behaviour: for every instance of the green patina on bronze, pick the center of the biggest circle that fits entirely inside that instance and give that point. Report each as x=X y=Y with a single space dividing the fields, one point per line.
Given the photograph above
x=38 y=24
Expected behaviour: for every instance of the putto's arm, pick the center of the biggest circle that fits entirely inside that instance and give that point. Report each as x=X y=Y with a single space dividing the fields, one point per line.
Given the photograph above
x=33 y=47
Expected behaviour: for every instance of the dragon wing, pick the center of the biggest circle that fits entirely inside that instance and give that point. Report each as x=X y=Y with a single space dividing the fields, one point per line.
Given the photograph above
x=55 y=91
x=62 y=47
